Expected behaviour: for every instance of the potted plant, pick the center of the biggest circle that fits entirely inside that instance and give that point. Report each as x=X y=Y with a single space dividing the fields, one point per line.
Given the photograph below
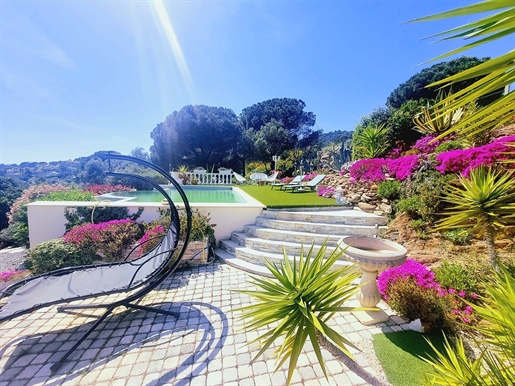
x=183 y=174
x=202 y=239
x=194 y=181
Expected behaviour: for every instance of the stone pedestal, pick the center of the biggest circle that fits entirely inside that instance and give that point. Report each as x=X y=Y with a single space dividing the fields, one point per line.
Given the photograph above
x=374 y=255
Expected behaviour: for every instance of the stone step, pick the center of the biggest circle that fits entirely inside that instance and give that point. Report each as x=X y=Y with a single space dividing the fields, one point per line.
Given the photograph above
x=273 y=252
x=275 y=246
x=253 y=261
x=345 y=216
x=309 y=237
x=317 y=228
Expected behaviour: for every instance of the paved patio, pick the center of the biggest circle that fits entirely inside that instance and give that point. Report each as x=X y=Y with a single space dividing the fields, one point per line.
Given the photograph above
x=205 y=346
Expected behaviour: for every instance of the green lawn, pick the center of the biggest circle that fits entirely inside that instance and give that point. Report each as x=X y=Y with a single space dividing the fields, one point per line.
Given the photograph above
x=275 y=198
x=399 y=353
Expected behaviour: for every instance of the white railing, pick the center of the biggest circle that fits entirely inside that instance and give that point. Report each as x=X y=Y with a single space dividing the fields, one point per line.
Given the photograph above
x=207 y=178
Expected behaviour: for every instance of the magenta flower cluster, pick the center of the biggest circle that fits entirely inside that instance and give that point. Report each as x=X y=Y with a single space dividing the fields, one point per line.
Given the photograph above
x=150 y=234
x=463 y=161
x=426 y=145
x=377 y=169
x=13 y=275
x=108 y=188
x=425 y=278
x=86 y=233
x=326 y=192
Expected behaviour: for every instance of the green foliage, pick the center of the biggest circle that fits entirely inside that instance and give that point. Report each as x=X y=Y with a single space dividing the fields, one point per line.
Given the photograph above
x=17 y=233
x=485 y=203
x=10 y=192
x=55 y=254
x=415 y=87
x=436 y=118
x=196 y=135
x=201 y=227
x=389 y=189
x=452 y=274
x=458 y=236
x=412 y=301
x=70 y=195
x=408 y=205
x=448 y=146
x=487 y=80
x=371 y=141
x=298 y=303
x=97 y=214
x=496 y=363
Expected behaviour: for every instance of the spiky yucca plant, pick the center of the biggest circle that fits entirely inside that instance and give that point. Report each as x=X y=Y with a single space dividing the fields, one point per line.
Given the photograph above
x=373 y=141
x=484 y=203
x=298 y=303
x=496 y=363
x=436 y=119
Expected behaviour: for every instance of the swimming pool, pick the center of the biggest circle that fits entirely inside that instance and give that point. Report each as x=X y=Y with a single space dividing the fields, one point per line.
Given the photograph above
x=204 y=194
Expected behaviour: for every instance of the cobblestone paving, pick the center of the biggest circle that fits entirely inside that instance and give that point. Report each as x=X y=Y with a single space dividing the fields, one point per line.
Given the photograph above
x=205 y=346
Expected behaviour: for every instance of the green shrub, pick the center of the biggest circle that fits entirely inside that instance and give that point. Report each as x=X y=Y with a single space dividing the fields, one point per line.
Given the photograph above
x=448 y=146
x=408 y=205
x=418 y=224
x=412 y=301
x=389 y=189
x=200 y=227
x=70 y=195
x=55 y=254
x=458 y=236
x=455 y=275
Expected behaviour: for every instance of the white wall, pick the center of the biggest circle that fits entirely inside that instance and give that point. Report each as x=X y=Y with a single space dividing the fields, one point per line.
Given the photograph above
x=46 y=218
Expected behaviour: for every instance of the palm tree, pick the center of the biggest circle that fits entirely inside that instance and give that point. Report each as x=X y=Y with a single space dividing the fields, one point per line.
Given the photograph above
x=485 y=203
x=496 y=73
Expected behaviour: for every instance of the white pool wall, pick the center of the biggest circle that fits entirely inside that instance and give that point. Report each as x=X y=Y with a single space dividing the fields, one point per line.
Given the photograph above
x=46 y=218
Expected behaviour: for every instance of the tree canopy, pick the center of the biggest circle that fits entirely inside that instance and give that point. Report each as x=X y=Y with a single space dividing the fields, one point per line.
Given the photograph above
x=275 y=126
x=415 y=87
x=196 y=136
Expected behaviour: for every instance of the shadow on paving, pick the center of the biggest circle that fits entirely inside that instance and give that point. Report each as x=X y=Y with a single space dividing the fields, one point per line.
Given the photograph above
x=55 y=343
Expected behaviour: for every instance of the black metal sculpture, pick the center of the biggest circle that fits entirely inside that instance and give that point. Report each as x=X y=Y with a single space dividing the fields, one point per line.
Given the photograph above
x=136 y=278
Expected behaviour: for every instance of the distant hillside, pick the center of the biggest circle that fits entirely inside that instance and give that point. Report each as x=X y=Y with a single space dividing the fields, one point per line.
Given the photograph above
x=337 y=137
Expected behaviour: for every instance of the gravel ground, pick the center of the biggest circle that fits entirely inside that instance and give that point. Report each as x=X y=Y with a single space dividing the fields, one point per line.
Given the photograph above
x=12 y=258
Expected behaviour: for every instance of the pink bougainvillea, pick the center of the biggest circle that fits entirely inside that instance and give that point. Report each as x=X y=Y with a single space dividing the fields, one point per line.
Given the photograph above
x=402 y=168
x=427 y=144
x=463 y=161
x=370 y=169
x=150 y=239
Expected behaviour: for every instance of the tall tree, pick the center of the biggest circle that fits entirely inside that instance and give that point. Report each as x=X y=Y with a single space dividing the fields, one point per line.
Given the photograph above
x=415 y=87
x=197 y=136
x=287 y=115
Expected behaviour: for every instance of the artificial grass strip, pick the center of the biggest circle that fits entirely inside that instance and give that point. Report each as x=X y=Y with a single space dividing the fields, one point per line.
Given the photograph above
x=399 y=353
x=276 y=198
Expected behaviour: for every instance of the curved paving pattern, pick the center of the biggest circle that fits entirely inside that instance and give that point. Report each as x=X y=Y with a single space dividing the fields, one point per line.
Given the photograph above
x=205 y=346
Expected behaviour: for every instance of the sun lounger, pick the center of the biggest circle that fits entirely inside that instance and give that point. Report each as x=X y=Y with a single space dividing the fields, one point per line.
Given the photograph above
x=297 y=180
x=311 y=185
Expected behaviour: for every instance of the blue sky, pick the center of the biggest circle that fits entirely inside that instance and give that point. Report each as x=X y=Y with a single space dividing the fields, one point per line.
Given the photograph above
x=83 y=76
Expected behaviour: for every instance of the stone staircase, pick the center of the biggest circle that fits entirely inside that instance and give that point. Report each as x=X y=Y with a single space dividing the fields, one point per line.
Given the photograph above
x=292 y=230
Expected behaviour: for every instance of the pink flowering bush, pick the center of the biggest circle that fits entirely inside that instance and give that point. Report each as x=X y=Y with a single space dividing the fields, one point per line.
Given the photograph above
x=98 y=189
x=464 y=160
x=326 y=192
x=109 y=239
x=411 y=290
x=369 y=170
x=426 y=145
x=402 y=168
x=150 y=239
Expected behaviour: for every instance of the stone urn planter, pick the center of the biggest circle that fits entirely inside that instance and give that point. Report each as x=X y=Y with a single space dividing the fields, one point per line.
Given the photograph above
x=373 y=255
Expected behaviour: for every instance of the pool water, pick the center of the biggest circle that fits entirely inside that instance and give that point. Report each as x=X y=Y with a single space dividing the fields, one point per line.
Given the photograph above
x=205 y=194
